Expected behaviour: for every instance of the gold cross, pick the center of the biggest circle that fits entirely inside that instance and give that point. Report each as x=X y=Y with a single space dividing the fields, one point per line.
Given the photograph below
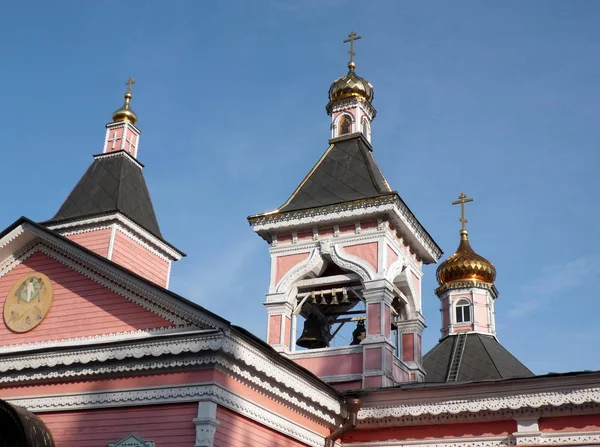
x=351 y=38
x=129 y=83
x=462 y=199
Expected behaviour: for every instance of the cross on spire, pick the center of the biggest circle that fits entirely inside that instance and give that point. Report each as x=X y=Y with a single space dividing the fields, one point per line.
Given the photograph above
x=129 y=83
x=462 y=199
x=351 y=38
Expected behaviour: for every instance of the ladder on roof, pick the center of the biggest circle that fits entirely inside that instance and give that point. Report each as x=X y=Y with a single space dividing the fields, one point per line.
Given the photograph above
x=457 y=354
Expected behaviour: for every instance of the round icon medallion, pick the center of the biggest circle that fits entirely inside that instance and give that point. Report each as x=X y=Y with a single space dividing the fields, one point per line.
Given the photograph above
x=28 y=302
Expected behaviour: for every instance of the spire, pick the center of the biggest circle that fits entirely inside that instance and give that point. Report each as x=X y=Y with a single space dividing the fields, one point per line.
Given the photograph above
x=122 y=133
x=350 y=100
x=125 y=113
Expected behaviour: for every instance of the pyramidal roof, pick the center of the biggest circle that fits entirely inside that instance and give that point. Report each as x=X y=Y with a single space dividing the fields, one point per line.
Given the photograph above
x=347 y=171
x=114 y=182
x=482 y=358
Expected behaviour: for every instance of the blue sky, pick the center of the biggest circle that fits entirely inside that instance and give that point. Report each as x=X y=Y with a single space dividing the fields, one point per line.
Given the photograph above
x=497 y=99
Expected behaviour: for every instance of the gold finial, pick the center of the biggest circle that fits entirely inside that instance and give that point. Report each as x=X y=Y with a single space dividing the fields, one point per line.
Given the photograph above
x=124 y=113
x=351 y=38
x=462 y=199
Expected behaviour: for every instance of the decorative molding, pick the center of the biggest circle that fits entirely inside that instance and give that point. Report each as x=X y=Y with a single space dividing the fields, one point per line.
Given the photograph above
x=389 y=204
x=126 y=226
x=314 y=262
x=100 y=339
x=190 y=345
x=490 y=441
x=352 y=263
x=559 y=438
x=132 y=440
x=160 y=395
x=492 y=403
x=481 y=416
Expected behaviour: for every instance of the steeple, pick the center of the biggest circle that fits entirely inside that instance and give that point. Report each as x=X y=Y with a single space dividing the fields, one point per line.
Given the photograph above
x=346 y=259
x=350 y=100
x=122 y=133
x=468 y=348
x=110 y=211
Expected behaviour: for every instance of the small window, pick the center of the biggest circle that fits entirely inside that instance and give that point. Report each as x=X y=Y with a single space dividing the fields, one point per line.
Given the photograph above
x=365 y=128
x=463 y=311
x=345 y=125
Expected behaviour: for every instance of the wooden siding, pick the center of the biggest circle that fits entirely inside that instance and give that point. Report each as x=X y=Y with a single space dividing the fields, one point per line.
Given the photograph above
x=138 y=259
x=81 y=307
x=236 y=430
x=167 y=425
x=96 y=241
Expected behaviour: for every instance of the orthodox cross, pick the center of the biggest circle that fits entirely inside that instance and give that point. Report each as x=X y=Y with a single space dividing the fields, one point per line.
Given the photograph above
x=462 y=199
x=114 y=139
x=131 y=141
x=351 y=38
x=129 y=83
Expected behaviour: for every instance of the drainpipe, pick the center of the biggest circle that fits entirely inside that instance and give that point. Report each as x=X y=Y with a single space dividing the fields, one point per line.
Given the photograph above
x=353 y=405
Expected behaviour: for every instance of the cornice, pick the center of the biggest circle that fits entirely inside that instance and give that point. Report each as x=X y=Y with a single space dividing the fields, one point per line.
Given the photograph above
x=120 y=153
x=162 y=395
x=237 y=349
x=575 y=438
x=389 y=204
x=117 y=337
x=512 y=401
x=481 y=416
x=126 y=226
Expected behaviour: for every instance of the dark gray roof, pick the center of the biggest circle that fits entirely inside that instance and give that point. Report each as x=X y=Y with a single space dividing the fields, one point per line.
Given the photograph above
x=482 y=358
x=112 y=183
x=347 y=171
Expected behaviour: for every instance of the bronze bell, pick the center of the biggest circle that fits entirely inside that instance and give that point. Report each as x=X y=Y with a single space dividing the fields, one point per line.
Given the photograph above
x=359 y=333
x=314 y=335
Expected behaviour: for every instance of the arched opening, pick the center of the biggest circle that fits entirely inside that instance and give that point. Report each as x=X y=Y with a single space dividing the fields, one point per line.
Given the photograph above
x=462 y=311
x=345 y=125
x=21 y=428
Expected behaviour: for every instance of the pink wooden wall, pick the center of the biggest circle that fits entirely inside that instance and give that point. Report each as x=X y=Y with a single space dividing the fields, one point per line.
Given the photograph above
x=81 y=307
x=167 y=425
x=330 y=365
x=96 y=241
x=491 y=428
x=285 y=263
x=238 y=431
x=136 y=258
x=367 y=252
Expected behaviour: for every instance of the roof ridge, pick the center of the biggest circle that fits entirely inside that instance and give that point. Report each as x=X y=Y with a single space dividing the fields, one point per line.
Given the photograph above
x=490 y=355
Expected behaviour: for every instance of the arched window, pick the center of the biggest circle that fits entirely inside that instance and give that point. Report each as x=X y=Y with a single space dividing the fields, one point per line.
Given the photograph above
x=365 y=128
x=463 y=311
x=345 y=125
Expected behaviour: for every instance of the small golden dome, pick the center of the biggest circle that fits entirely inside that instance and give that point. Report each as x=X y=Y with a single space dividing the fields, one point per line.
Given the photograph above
x=351 y=85
x=465 y=266
x=125 y=113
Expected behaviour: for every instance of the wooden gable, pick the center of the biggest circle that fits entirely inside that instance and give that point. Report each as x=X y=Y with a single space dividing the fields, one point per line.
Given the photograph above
x=80 y=307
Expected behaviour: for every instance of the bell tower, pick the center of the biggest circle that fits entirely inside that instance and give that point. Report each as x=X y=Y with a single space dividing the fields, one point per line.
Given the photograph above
x=347 y=254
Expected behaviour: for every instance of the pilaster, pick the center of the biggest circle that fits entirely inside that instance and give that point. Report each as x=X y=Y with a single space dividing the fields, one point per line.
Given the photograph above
x=206 y=423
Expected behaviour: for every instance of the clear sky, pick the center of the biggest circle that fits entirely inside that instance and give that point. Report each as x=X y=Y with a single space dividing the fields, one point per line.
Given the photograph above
x=497 y=99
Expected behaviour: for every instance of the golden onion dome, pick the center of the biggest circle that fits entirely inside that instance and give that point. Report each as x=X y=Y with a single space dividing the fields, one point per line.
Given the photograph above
x=465 y=266
x=125 y=113
x=351 y=85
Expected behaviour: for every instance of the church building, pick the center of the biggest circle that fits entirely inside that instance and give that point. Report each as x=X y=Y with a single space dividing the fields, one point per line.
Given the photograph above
x=97 y=351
